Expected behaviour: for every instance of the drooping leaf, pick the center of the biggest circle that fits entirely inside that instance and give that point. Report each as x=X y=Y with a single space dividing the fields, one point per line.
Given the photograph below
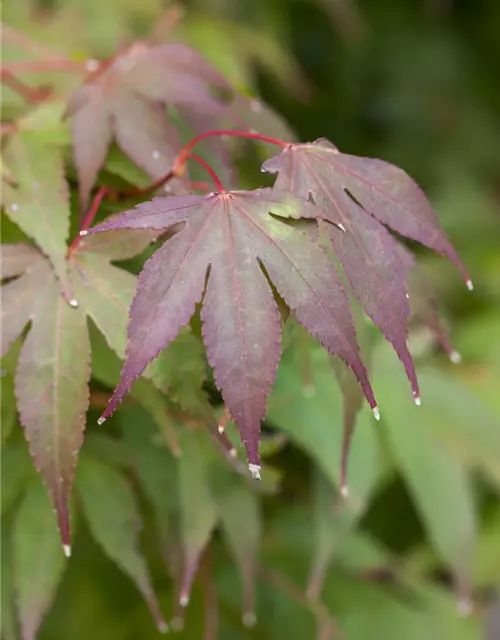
x=199 y=513
x=113 y=517
x=462 y=422
x=363 y=195
x=37 y=560
x=154 y=465
x=38 y=202
x=17 y=473
x=437 y=481
x=327 y=528
x=51 y=390
x=125 y=99
x=232 y=237
x=313 y=419
x=237 y=504
x=8 y=408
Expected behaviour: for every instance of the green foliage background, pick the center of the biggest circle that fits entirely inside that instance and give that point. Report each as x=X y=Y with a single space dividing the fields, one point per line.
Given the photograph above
x=414 y=82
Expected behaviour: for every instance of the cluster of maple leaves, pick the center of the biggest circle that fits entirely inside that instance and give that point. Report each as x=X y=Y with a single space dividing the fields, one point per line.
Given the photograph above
x=232 y=253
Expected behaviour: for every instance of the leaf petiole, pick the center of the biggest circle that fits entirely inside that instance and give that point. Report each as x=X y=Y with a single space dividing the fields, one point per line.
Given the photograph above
x=89 y=218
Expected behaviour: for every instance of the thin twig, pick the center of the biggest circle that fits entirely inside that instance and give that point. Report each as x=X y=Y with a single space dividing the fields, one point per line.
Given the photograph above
x=89 y=218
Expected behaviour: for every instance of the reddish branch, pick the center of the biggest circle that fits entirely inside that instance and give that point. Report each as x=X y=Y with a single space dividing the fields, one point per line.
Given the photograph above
x=177 y=171
x=185 y=152
x=89 y=218
x=208 y=169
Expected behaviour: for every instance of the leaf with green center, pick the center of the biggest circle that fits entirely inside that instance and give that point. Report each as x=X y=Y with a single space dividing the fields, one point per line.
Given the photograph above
x=224 y=253
x=110 y=507
x=198 y=509
x=51 y=390
x=363 y=195
x=38 y=563
x=437 y=481
x=38 y=202
x=126 y=99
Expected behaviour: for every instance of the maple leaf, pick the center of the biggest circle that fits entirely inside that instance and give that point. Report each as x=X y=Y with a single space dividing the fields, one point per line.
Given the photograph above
x=51 y=377
x=126 y=100
x=365 y=195
x=38 y=201
x=223 y=253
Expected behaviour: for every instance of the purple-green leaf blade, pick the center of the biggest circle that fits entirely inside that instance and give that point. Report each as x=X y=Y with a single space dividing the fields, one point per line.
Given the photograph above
x=367 y=252
x=384 y=191
x=52 y=393
x=225 y=241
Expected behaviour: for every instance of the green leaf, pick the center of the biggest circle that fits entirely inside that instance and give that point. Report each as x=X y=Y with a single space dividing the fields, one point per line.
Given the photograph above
x=328 y=531
x=106 y=369
x=199 y=512
x=52 y=393
x=39 y=201
x=310 y=411
x=180 y=371
x=38 y=560
x=8 y=619
x=8 y=404
x=438 y=483
x=113 y=517
x=462 y=422
x=240 y=517
x=17 y=472
x=155 y=467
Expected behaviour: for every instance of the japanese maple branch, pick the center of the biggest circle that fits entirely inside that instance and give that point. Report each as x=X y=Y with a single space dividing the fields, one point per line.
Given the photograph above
x=186 y=151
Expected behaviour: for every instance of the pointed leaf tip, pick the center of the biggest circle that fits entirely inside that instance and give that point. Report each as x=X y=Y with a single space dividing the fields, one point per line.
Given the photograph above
x=376 y=413
x=249 y=619
x=255 y=471
x=465 y=607
x=67 y=550
x=163 y=627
